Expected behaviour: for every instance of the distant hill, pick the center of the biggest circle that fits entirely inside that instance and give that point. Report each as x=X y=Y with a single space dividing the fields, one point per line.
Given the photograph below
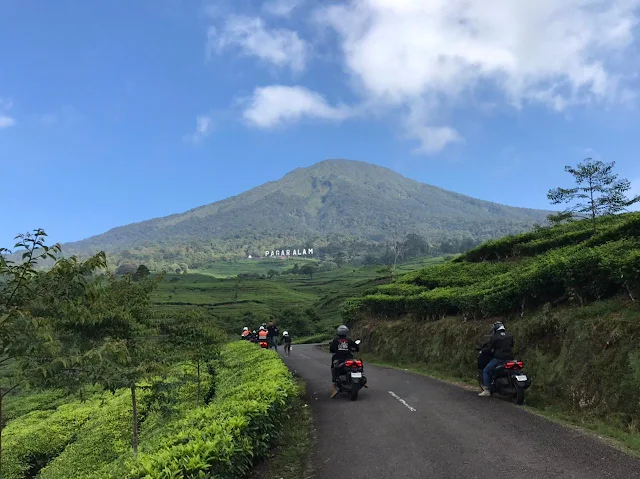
x=334 y=200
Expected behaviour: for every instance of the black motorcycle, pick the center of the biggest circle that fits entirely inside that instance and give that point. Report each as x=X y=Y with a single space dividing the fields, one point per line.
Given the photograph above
x=351 y=378
x=508 y=380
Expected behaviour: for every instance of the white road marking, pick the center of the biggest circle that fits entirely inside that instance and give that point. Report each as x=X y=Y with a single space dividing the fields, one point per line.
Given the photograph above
x=412 y=409
x=306 y=357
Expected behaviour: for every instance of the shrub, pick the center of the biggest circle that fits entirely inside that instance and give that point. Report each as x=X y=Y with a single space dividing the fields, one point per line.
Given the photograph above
x=104 y=437
x=33 y=440
x=253 y=393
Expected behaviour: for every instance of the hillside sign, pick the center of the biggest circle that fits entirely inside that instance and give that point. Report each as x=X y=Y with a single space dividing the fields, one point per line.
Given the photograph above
x=288 y=252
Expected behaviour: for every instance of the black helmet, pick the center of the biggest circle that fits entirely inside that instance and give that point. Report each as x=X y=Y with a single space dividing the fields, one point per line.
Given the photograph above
x=342 y=330
x=497 y=326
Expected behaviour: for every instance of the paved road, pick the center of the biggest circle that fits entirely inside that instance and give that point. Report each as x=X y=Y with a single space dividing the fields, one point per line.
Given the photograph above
x=409 y=426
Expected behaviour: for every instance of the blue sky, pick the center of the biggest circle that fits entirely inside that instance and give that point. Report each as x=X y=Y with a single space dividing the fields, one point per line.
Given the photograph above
x=116 y=111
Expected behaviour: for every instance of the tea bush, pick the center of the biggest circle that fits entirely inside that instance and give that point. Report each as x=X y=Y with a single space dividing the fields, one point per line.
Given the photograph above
x=34 y=439
x=101 y=439
x=568 y=262
x=254 y=390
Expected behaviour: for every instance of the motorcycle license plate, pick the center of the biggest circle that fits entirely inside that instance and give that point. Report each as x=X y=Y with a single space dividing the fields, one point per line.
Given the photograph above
x=521 y=378
x=356 y=375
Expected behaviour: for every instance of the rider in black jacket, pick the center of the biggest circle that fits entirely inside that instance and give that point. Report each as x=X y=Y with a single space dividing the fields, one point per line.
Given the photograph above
x=501 y=347
x=342 y=348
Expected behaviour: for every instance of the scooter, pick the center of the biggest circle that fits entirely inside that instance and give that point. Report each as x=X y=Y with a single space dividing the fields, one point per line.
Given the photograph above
x=508 y=379
x=351 y=378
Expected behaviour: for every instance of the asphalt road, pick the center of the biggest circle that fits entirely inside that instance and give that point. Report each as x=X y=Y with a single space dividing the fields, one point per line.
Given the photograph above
x=410 y=426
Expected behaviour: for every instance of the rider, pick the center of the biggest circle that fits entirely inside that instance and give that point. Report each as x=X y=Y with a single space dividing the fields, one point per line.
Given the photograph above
x=246 y=333
x=287 y=341
x=342 y=348
x=272 y=329
x=263 y=334
x=501 y=347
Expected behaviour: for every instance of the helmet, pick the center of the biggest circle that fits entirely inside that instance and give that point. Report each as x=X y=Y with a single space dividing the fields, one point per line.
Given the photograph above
x=286 y=333
x=261 y=328
x=497 y=326
x=245 y=329
x=254 y=331
x=342 y=330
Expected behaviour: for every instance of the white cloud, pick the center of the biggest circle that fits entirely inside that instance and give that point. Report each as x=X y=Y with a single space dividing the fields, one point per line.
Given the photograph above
x=281 y=47
x=434 y=139
x=531 y=50
x=204 y=127
x=281 y=8
x=6 y=121
x=551 y=52
x=275 y=105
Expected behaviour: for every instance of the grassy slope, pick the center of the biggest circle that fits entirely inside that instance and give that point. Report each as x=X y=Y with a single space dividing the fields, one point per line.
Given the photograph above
x=268 y=297
x=582 y=352
x=226 y=269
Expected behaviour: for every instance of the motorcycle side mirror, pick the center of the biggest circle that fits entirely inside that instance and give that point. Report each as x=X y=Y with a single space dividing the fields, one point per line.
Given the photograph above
x=358 y=341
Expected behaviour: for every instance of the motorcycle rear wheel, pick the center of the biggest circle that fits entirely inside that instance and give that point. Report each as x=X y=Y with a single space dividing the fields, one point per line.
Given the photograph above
x=354 y=393
x=518 y=397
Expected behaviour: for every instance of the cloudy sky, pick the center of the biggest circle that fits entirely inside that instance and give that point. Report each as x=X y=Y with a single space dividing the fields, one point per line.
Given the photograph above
x=118 y=111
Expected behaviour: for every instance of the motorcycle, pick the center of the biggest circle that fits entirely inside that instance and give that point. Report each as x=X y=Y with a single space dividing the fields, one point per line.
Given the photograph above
x=508 y=379
x=351 y=378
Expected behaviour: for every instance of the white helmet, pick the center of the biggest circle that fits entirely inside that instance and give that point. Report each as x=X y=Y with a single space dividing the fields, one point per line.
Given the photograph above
x=286 y=333
x=261 y=328
x=245 y=329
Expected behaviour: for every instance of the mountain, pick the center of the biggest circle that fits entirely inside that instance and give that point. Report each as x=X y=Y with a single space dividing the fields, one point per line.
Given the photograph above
x=330 y=200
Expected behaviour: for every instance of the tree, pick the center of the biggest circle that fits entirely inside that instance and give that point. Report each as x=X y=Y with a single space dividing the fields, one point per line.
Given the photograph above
x=102 y=325
x=20 y=334
x=297 y=323
x=415 y=245
x=598 y=192
x=192 y=338
x=271 y=273
x=397 y=247
x=126 y=268
x=339 y=258
x=141 y=273
x=308 y=269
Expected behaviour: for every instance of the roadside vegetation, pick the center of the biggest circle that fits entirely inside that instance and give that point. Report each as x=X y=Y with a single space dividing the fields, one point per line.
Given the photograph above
x=569 y=294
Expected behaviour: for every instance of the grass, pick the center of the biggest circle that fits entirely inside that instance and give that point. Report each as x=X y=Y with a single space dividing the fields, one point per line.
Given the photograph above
x=227 y=297
x=291 y=449
x=226 y=269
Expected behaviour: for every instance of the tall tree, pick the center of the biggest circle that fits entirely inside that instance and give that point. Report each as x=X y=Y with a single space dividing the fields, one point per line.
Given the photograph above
x=20 y=334
x=308 y=269
x=102 y=326
x=598 y=192
x=192 y=338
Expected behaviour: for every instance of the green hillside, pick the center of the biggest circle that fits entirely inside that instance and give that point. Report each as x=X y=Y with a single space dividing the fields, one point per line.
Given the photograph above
x=292 y=300
x=568 y=295
x=347 y=206
x=515 y=274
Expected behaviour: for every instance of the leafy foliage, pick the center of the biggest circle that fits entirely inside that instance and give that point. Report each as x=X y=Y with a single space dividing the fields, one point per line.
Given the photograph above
x=581 y=359
x=224 y=439
x=36 y=438
x=598 y=192
x=567 y=262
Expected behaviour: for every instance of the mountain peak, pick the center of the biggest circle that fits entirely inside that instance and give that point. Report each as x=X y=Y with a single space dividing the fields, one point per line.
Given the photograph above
x=334 y=198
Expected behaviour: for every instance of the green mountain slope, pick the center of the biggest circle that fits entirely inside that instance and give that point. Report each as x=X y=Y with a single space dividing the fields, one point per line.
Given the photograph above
x=331 y=199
